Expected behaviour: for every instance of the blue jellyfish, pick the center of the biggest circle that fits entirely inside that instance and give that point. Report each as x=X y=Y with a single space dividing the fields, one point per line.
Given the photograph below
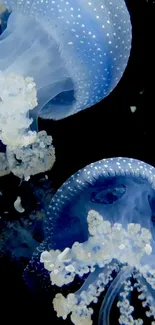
x=100 y=228
x=60 y=57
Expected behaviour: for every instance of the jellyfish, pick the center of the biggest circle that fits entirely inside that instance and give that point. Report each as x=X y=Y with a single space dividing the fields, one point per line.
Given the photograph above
x=58 y=58
x=99 y=228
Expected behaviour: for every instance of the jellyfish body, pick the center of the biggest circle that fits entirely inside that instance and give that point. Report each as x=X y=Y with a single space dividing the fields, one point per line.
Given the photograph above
x=76 y=51
x=100 y=222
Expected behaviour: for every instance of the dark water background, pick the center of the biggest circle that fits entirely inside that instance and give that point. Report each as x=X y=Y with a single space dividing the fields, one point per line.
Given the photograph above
x=108 y=129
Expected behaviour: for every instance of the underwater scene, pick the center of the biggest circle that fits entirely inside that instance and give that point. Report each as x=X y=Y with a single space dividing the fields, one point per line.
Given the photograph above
x=77 y=165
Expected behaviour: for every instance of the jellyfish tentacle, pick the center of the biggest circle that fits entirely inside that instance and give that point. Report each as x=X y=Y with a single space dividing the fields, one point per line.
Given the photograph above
x=146 y=294
x=78 y=304
x=111 y=294
x=125 y=308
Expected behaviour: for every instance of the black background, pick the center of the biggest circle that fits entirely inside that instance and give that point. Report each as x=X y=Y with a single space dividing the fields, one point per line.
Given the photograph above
x=108 y=129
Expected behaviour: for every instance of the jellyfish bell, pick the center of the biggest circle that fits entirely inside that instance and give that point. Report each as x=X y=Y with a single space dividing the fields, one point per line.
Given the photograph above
x=120 y=189
x=75 y=52
x=100 y=223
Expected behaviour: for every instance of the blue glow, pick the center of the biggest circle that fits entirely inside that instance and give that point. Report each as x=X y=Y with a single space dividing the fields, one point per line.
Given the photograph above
x=114 y=187
x=122 y=191
x=75 y=50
